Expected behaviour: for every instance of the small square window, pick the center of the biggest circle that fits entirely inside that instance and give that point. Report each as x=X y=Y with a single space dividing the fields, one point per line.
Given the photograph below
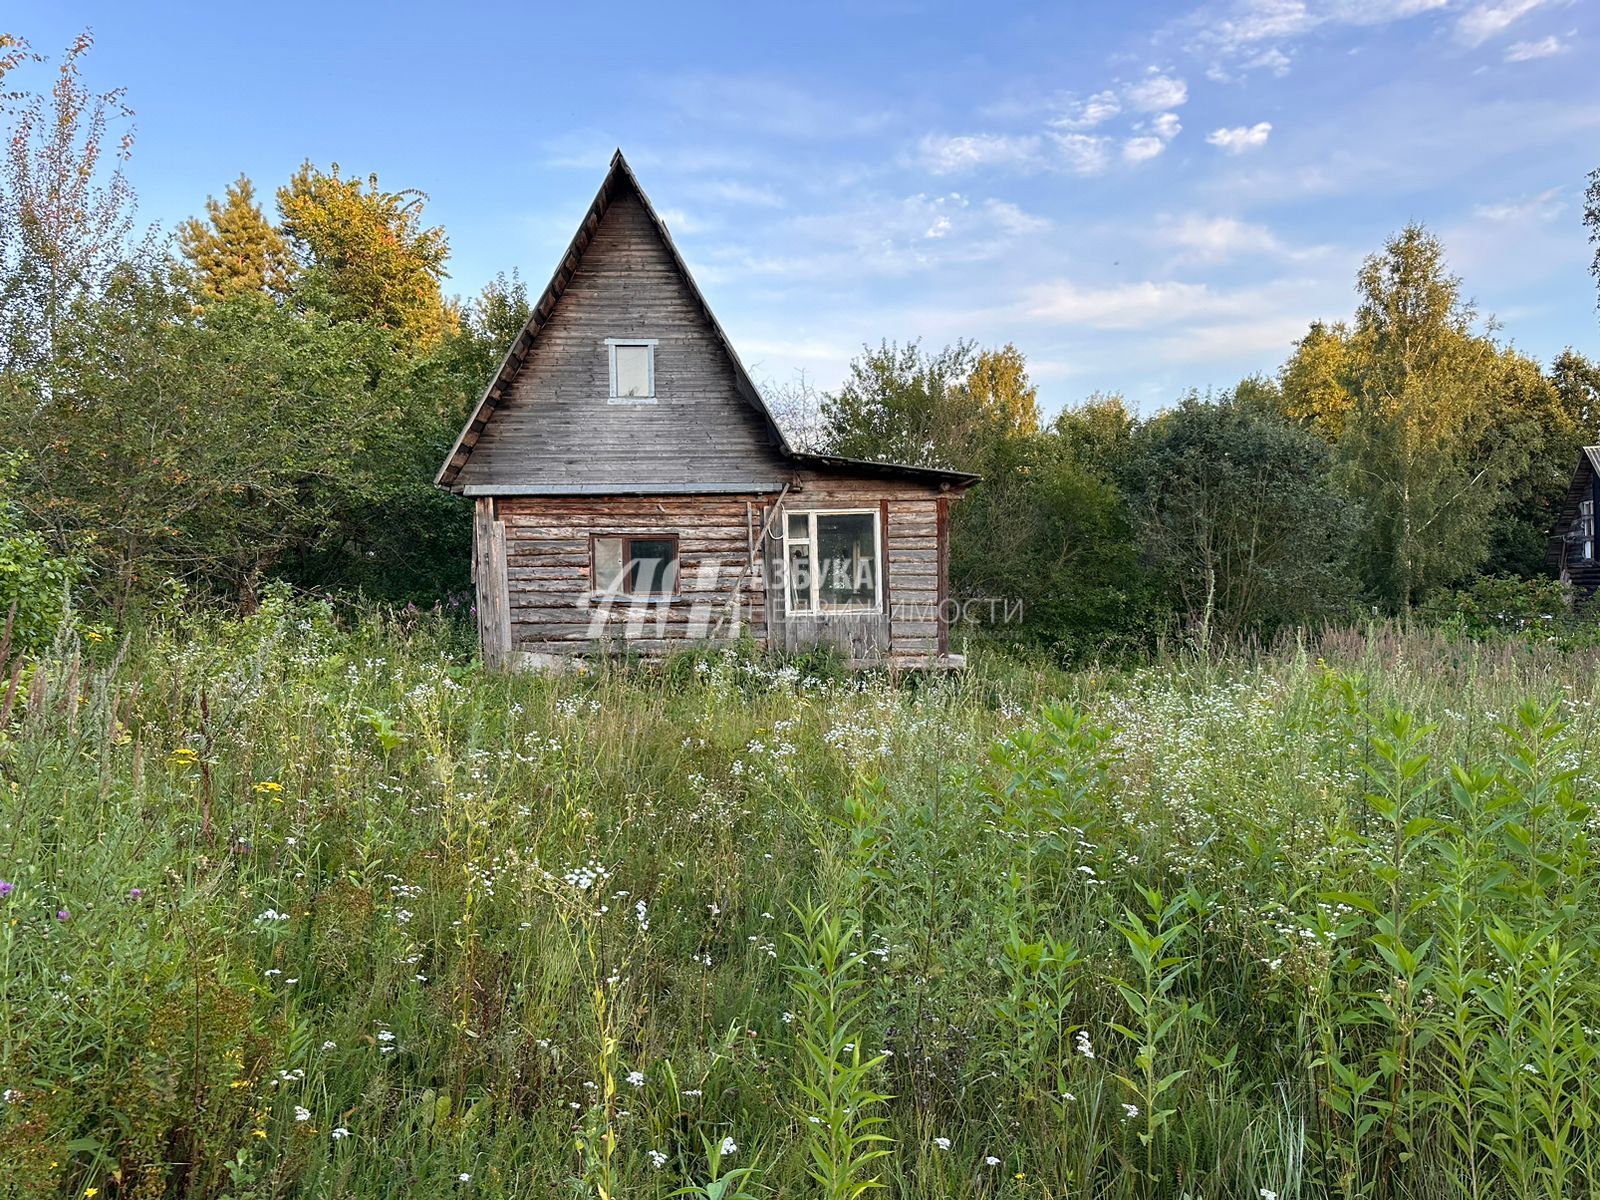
x=633 y=369
x=636 y=566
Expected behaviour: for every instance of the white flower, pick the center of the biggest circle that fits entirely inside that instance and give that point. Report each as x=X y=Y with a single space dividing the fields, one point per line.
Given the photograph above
x=464 y=1178
x=385 y=1035
x=326 y=1046
x=1132 y=1110
x=301 y=1114
x=729 y=1146
x=636 y=1078
x=942 y=1143
x=340 y=1134
x=1268 y=1194
x=657 y=1159
x=990 y=1160
x=1085 y=1047
x=1068 y=1097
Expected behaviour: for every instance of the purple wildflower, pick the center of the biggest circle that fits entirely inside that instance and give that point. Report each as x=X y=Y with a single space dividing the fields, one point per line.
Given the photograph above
x=62 y=914
x=135 y=893
x=6 y=888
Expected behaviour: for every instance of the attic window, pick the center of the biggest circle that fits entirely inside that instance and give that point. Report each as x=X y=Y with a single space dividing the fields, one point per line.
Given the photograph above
x=633 y=370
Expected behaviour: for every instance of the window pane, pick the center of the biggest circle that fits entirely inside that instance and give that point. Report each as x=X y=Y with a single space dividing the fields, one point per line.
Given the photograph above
x=847 y=560
x=799 y=568
x=608 y=564
x=653 y=570
x=633 y=370
x=799 y=526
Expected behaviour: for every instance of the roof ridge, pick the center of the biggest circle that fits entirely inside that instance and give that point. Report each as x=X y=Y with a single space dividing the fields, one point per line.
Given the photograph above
x=566 y=268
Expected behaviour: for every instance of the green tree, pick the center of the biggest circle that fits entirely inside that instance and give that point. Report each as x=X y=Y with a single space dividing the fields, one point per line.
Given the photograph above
x=950 y=408
x=1048 y=527
x=1577 y=383
x=236 y=249
x=365 y=254
x=1532 y=439
x=1416 y=449
x=1239 y=517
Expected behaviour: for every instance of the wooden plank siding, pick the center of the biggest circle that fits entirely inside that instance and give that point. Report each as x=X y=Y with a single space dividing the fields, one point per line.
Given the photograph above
x=554 y=425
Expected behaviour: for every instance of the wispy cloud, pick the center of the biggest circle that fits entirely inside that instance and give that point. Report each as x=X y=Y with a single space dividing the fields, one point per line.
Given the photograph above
x=1527 y=51
x=966 y=152
x=1241 y=137
x=1086 y=114
x=1082 y=154
x=1546 y=206
x=1483 y=22
x=1202 y=239
x=1252 y=34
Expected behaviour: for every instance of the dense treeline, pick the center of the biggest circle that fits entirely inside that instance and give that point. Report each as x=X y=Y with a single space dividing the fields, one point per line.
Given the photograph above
x=1394 y=459
x=267 y=393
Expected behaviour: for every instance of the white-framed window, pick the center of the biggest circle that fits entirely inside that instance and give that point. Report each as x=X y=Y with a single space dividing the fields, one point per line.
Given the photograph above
x=633 y=370
x=1586 y=529
x=832 y=560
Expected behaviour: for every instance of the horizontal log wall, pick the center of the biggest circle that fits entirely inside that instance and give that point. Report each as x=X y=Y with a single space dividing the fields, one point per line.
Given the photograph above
x=553 y=610
x=552 y=605
x=909 y=512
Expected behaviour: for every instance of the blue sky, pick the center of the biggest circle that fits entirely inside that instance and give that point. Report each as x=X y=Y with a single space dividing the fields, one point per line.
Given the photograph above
x=1143 y=197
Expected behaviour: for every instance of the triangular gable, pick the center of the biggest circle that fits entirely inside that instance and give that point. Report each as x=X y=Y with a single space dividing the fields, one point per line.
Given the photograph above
x=619 y=183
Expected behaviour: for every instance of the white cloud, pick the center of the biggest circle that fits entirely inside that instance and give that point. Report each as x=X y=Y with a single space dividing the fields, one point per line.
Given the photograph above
x=967 y=152
x=1215 y=239
x=1241 y=138
x=1156 y=92
x=1082 y=154
x=1010 y=219
x=1546 y=206
x=1138 y=149
x=1484 y=21
x=1254 y=32
x=1122 y=306
x=1527 y=51
x=679 y=221
x=1166 y=126
x=1086 y=114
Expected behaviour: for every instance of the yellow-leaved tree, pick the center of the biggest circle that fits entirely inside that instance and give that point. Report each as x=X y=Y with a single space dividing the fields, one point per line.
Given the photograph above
x=365 y=254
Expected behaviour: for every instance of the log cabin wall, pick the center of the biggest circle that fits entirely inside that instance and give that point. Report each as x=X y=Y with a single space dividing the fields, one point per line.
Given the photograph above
x=555 y=426
x=551 y=608
x=1566 y=556
x=909 y=631
x=549 y=571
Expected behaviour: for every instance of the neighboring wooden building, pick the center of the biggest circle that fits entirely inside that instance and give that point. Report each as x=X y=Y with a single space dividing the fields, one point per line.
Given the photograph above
x=1572 y=546
x=633 y=490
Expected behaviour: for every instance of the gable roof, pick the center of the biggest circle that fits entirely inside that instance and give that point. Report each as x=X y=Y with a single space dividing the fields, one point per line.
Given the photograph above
x=620 y=179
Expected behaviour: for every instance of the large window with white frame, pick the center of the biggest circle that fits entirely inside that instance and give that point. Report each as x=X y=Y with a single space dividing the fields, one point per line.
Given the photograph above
x=832 y=560
x=633 y=370
x=1586 y=529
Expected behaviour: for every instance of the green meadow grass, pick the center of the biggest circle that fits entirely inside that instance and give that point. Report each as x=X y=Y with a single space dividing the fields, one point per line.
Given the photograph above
x=317 y=910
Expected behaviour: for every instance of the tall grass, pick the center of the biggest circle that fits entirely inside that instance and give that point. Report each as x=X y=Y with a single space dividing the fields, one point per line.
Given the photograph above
x=301 y=909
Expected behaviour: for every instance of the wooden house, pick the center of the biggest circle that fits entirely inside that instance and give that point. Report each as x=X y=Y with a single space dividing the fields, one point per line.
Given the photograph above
x=1572 y=548
x=634 y=492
